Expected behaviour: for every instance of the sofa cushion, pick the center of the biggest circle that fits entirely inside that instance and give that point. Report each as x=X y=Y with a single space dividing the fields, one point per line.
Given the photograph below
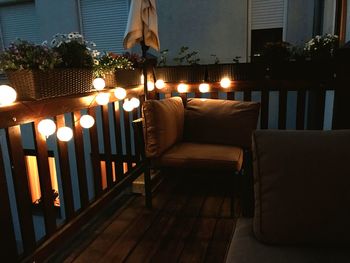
x=220 y=121
x=244 y=248
x=206 y=156
x=302 y=182
x=163 y=124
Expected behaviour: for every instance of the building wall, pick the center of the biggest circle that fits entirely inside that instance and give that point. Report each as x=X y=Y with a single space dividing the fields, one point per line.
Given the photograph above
x=329 y=16
x=210 y=27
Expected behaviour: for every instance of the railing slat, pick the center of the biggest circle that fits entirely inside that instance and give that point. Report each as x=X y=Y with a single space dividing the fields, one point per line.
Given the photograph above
x=137 y=148
x=264 y=119
x=247 y=95
x=20 y=181
x=80 y=159
x=231 y=95
x=8 y=247
x=107 y=145
x=45 y=181
x=316 y=109
x=300 y=118
x=65 y=172
x=127 y=137
x=118 y=139
x=95 y=155
x=214 y=95
x=282 y=108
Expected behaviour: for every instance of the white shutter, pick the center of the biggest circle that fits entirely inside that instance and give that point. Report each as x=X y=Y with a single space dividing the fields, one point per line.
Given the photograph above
x=104 y=23
x=267 y=14
x=19 y=21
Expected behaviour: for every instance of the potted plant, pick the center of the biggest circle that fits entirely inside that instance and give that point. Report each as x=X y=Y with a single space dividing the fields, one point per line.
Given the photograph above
x=60 y=68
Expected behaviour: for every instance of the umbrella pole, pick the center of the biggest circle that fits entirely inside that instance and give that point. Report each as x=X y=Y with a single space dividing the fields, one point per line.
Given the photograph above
x=144 y=68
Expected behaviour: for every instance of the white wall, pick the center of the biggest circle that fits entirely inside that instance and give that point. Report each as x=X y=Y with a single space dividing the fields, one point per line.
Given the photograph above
x=210 y=27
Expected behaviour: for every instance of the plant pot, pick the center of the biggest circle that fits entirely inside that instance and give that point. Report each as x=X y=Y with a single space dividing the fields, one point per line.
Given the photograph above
x=175 y=74
x=37 y=84
x=123 y=78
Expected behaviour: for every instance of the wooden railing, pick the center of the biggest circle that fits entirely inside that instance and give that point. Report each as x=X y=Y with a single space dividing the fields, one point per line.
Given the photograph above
x=100 y=162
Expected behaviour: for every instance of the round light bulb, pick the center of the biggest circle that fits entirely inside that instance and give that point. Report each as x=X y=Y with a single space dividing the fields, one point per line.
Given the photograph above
x=160 y=84
x=127 y=106
x=7 y=95
x=150 y=86
x=182 y=88
x=87 y=121
x=102 y=98
x=47 y=127
x=225 y=83
x=64 y=134
x=99 y=83
x=120 y=93
x=135 y=102
x=204 y=87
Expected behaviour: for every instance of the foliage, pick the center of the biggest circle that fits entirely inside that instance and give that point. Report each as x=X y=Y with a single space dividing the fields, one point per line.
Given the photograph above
x=185 y=55
x=22 y=54
x=277 y=51
x=216 y=59
x=163 y=57
x=322 y=46
x=236 y=59
x=74 y=50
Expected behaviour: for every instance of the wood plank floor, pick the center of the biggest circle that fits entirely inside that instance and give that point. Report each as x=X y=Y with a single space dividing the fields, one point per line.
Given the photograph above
x=190 y=222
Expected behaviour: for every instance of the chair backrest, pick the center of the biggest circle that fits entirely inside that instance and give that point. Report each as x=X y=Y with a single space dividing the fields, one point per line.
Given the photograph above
x=302 y=186
x=221 y=121
x=163 y=124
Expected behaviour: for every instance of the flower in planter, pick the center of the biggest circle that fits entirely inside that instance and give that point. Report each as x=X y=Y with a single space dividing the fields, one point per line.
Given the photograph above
x=22 y=54
x=322 y=46
x=74 y=50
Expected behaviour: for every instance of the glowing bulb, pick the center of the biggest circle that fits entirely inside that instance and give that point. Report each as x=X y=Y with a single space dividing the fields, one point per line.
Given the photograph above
x=64 y=134
x=160 y=84
x=225 y=83
x=99 y=83
x=120 y=93
x=135 y=102
x=204 y=87
x=46 y=127
x=7 y=95
x=182 y=88
x=87 y=121
x=142 y=78
x=102 y=98
x=127 y=106
x=150 y=86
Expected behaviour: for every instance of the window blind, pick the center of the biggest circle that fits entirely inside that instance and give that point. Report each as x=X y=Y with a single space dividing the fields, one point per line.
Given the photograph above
x=267 y=14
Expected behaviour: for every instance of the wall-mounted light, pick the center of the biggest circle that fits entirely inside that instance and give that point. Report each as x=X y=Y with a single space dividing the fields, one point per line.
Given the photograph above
x=64 y=134
x=225 y=83
x=204 y=87
x=182 y=88
x=99 y=83
x=7 y=95
x=120 y=93
x=102 y=98
x=160 y=84
x=87 y=121
x=46 y=127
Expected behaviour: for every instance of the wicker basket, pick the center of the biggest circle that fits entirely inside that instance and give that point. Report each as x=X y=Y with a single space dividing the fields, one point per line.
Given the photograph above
x=37 y=84
x=123 y=78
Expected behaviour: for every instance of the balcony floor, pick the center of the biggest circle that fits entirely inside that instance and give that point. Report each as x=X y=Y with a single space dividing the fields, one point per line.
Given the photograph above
x=190 y=222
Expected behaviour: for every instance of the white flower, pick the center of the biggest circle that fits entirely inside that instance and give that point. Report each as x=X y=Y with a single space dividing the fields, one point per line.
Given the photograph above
x=71 y=35
x=44 y=43
x=96 y=62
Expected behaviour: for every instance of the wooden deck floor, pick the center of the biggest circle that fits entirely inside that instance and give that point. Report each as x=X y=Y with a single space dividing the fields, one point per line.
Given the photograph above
x=190 y=222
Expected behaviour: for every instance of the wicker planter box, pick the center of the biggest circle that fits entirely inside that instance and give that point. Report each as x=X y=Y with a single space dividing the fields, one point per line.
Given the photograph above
x=176 y=74
x=123 y=78
x=37 y=84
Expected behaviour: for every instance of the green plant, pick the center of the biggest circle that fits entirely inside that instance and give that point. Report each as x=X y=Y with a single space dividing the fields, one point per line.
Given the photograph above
x=163 y=57
x=322 y=46
x=216 y=59
x=108 y=62
x=236 y=59
x=185 y=55
x=22 y=54
x=74 y=50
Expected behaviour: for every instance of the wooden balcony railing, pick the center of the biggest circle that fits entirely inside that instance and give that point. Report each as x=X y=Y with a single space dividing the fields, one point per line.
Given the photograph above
x=99 y=163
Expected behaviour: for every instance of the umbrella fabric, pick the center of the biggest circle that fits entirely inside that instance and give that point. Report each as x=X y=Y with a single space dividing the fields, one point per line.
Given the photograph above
x=142 y=24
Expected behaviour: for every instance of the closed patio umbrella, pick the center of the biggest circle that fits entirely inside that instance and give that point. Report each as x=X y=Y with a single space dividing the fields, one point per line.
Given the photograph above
x=142 y=27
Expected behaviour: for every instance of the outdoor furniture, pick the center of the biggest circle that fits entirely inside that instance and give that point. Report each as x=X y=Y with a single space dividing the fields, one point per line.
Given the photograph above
x=208 y=134
x=302 y=181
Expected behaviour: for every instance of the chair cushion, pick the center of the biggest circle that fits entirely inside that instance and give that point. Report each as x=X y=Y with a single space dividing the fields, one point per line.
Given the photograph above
x=206 y=156
x=220 y=121
x=163 y=124
x=244 y=248
x=302 y=182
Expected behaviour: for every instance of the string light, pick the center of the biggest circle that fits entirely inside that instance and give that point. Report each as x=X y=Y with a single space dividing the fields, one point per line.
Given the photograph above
x=204 y=87
x=182 y=88
x=64 y=134
x=135 y=102
x=120 y=93
x=99 y=83
x=7 y=95
x=150 y=86
x=46 y=127
x=225 y=83
x=102 y=98
x=142 y=79
x=160 y=84
x=87 y=121
x=127 y=106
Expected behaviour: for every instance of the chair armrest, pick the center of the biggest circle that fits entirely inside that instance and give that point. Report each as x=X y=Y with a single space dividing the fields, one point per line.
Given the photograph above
x=140 y=140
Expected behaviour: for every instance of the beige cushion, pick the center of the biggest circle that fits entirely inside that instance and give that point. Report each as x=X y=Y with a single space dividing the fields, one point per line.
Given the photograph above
x=163 y=124
x=220 y=121
x=302 y=186
x=195 y=155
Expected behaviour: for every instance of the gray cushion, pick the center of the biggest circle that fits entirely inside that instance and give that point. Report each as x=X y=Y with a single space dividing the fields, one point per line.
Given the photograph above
x=244 y=248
